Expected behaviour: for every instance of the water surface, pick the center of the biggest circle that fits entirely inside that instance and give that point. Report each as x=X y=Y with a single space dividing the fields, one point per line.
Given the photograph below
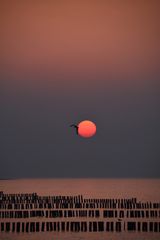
x=142 y=189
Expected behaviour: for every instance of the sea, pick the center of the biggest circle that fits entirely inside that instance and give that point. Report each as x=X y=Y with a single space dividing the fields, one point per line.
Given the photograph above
x=145 y=190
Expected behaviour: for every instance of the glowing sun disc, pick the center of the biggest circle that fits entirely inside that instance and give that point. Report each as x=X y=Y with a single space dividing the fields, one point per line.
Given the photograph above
x=86 y=129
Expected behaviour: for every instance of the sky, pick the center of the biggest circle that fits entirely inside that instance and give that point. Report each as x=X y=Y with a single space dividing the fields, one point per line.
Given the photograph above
x=62 y=62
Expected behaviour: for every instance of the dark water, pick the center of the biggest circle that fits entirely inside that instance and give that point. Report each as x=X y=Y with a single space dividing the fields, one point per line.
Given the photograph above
x=145 y=190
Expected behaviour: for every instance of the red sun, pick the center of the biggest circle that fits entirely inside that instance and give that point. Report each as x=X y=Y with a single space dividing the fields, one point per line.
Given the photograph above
x=86 y=129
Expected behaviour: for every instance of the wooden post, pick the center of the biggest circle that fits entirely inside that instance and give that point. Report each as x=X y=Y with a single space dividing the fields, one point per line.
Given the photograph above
x=144 y=227
x=18 y=227
x=13 y=226
x=37 y=226
x=7 y=226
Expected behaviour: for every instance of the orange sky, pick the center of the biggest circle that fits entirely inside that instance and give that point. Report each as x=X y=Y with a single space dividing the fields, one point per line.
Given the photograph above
x=90 y=39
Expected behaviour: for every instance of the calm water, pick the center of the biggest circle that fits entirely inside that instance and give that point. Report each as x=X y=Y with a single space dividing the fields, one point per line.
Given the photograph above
x=144 y=190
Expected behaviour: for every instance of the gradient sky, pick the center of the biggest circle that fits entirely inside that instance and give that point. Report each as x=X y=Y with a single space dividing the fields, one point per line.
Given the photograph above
x=65 y=61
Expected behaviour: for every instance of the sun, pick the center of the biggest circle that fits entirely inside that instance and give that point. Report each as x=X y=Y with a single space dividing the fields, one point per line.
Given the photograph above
x=86 y=129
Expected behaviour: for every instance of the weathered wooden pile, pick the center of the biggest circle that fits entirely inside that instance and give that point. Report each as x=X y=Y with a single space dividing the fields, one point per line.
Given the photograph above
x=34 y=213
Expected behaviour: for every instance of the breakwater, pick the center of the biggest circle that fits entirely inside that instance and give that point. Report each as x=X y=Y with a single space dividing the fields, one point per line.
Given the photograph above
x=34 y=213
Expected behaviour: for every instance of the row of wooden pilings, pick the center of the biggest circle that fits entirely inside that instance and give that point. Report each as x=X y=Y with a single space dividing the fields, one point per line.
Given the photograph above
x=100 y=226
x=81 y=214
x=44 y=205
x=30 y=201
x=74 y=214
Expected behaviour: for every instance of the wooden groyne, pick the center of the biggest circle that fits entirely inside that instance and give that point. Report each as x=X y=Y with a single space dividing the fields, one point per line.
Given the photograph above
x=78 y=226
x=34 y=213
